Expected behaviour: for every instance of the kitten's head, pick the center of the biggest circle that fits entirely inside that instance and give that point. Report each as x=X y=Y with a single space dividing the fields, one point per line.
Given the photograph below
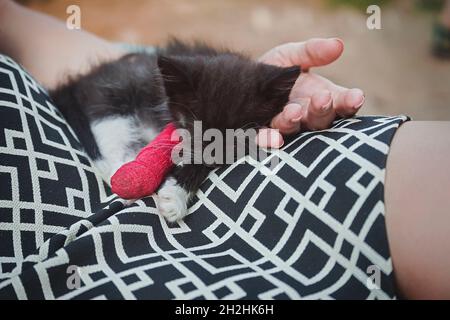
x=225 y=90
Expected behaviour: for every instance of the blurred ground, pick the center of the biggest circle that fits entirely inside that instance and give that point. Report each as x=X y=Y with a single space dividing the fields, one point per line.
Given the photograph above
x=392 y=65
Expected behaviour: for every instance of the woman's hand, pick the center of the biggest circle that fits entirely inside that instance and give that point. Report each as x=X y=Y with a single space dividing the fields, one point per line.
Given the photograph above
x=314 y=101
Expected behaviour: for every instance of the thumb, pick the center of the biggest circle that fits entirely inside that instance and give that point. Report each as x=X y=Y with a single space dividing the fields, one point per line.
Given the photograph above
x=311 y=53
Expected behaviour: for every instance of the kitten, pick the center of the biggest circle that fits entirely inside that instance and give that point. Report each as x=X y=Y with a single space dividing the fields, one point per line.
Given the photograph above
x=120 y=106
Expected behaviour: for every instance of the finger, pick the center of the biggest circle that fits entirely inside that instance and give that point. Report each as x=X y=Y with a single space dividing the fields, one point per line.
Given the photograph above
x=314 y=52
x=347 y=102
x=269 y=138
x=320 y=113
x=289 y=120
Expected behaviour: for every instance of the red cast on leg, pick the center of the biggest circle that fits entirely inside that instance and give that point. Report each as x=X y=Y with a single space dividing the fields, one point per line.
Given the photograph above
x=142 y=176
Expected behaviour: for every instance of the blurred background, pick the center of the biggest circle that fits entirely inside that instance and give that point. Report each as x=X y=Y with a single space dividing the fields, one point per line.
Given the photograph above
x=394 y=65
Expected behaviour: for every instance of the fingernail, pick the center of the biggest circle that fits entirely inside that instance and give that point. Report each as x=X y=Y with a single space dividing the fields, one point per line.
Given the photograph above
x=293 y=113
x=327 y=106
x=358 y=106
x=269 y=139
x=354 y=98
x=280 y=145
x=296 y=120
x=275 y=143
x=276 y=140
x=338 y=40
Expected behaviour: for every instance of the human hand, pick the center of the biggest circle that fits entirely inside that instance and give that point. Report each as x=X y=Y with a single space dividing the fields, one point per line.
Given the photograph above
x=314 y=101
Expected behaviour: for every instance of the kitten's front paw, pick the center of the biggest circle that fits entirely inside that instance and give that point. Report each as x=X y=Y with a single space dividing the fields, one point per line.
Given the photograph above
x=172 y=203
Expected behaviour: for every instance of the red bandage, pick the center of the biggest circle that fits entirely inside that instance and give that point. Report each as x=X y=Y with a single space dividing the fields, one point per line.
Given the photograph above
x=141 y=177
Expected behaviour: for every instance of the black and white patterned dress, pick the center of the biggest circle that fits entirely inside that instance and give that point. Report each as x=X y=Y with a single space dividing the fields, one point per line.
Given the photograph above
x=313 y=229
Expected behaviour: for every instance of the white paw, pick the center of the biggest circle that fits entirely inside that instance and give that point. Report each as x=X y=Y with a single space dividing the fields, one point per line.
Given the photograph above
x=172 y=202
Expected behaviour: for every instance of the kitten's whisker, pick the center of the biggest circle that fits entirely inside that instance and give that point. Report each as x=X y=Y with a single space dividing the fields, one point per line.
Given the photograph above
x=185 y=107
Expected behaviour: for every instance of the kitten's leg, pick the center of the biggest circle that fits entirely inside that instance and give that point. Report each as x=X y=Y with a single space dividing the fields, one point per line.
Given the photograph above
x=174 y=195
x=119 y=140
x=172 y=200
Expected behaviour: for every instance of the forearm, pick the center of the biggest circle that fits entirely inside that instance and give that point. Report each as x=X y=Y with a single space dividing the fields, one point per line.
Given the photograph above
x=417 y=208
x=45 y=47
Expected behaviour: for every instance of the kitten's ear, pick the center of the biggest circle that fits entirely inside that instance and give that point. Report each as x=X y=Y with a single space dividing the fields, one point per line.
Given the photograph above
x=175 y=75
x=178 y=81
x=280 y=82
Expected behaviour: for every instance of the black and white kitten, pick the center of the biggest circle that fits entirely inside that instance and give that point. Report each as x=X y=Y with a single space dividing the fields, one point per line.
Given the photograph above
x=120 y=106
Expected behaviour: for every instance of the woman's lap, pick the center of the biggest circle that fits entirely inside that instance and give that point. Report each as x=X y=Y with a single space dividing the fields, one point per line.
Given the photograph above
x=315 y=228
